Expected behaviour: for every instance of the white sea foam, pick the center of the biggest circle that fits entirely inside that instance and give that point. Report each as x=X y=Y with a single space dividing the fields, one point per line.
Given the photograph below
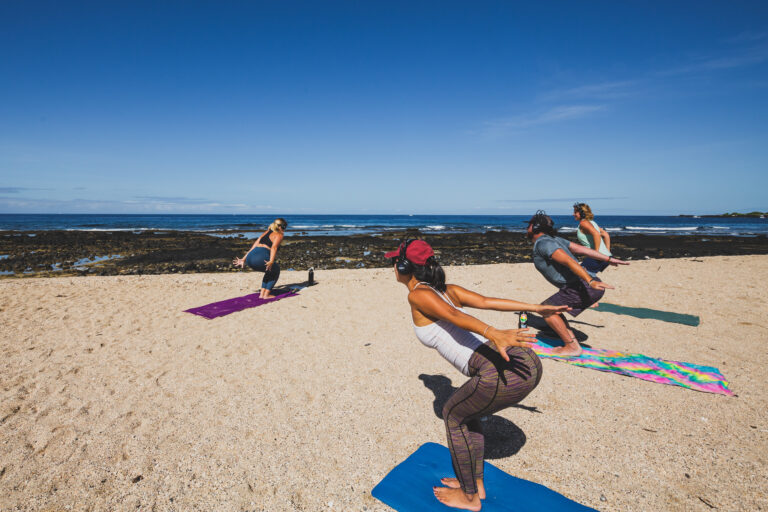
x=435 y=228
x=117 y=229
x=643 y=228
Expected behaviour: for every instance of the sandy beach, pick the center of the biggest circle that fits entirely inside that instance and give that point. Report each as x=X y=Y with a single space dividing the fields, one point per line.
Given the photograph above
x=113 y=398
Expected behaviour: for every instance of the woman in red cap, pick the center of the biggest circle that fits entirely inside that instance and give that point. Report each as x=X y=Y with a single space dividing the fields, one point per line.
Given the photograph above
x=501 y=367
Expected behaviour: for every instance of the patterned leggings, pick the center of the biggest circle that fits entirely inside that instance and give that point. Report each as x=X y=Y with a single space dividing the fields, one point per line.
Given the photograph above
x=494 y=384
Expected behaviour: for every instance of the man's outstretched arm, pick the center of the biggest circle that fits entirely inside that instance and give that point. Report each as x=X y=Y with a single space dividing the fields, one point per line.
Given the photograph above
x=595 y=255
x=562 y=258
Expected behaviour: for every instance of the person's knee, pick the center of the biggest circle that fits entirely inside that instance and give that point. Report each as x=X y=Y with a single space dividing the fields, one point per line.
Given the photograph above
x=451 y=421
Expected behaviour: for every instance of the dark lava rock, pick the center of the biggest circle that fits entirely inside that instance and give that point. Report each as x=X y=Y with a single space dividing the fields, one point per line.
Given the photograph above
x=57 y=253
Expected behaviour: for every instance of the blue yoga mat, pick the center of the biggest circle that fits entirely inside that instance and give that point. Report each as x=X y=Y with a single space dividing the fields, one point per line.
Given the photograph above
x=408 y=487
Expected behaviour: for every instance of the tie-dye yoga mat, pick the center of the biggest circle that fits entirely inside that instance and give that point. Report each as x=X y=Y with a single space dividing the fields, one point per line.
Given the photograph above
x=676 y=373
x=225 y=307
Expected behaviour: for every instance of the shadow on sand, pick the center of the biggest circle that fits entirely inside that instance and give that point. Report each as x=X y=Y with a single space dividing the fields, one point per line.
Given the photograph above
x=538 y=323
x=502 y=437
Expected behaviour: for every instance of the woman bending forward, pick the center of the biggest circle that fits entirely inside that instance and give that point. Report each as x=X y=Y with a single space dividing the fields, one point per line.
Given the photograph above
x=262 y=255
x=501 y=367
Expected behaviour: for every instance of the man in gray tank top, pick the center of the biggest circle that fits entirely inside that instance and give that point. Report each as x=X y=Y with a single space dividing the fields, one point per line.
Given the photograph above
x=554 y=258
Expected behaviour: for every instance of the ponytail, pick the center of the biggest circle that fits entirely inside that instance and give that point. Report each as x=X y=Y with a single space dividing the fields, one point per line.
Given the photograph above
x=431 y=273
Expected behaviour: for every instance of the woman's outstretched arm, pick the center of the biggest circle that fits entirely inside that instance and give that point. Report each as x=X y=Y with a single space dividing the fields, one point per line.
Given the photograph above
x=475 y=300
x=590 y=230
x=591 y=253
x=430 y=305
x=273 y=250
x=606 y=239
x=240 y=262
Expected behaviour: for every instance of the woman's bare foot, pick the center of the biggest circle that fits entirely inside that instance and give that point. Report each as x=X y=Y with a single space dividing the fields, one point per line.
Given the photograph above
x=453 y=483
x=595 y=305
x=570 y=349
x=457 y=499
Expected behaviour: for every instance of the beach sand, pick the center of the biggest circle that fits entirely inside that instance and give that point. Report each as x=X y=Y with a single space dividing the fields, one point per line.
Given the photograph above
x=113 y=398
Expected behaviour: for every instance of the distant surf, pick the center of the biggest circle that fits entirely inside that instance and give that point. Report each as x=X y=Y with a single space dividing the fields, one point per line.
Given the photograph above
x=251 y=226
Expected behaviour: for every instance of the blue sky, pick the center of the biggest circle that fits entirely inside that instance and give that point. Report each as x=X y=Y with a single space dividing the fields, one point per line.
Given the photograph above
x=383 y=107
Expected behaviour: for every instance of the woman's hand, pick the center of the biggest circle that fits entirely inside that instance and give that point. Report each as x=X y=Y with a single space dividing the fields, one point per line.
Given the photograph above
x=510 y=338
x=616 y=261
x=268 y=264
x=238 y=262
x=547 y=310
x=599 y=285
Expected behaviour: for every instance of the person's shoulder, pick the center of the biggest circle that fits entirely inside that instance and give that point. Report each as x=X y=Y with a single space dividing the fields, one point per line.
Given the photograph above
x=419 y=293
x=545 y=239
x=454 y=292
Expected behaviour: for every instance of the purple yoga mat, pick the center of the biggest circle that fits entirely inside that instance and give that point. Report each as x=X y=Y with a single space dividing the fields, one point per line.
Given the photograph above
x=225 y=307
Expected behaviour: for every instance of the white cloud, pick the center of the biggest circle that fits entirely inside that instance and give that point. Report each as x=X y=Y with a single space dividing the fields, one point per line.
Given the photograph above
x=600 y=91
x=553 y=115
x=32 y=205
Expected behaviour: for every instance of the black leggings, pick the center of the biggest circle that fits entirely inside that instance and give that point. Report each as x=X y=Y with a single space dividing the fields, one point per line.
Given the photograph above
x=494 y=384
x=257 y=260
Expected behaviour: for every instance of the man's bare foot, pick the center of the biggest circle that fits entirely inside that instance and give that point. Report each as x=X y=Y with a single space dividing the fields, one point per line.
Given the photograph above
x=453 y=483
x=570 y=349
x=457 y=499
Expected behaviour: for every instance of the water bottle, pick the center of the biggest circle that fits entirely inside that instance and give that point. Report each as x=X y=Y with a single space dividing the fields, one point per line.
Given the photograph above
x=522 y=323
x=311 y=277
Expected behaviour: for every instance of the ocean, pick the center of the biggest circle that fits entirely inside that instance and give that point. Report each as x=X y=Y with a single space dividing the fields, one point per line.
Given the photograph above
x=252 y=226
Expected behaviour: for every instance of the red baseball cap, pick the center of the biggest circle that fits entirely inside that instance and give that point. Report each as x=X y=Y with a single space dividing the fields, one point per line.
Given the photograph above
x=417 y=252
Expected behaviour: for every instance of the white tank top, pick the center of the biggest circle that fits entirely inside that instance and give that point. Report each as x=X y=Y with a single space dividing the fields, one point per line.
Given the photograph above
x=455 y=344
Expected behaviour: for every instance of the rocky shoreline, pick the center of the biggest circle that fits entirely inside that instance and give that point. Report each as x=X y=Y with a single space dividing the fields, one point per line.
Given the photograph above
x=67 y=253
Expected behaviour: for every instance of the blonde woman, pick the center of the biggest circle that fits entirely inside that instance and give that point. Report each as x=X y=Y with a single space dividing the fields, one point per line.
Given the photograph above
x=261 y=256
x=593 y=236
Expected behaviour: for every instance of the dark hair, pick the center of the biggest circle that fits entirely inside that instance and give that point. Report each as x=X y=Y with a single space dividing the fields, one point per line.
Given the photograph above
x=431 y=273
x=543 y=223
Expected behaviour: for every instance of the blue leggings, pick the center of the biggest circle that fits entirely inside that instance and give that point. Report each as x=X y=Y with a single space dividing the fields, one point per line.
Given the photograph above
x=257 y=260
x=594 y=266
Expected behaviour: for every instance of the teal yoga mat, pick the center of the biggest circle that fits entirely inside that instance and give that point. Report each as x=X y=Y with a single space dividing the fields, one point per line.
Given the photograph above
x=408 y=487
x=654 y=314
